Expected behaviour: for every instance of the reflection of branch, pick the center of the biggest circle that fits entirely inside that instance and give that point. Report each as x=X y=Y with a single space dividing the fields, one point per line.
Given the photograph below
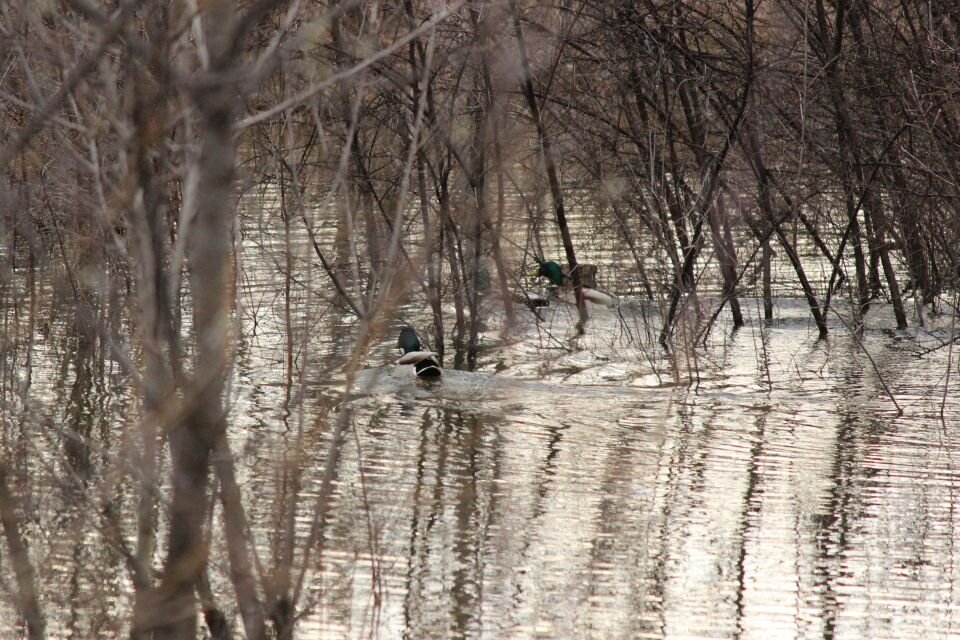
x=876 y=369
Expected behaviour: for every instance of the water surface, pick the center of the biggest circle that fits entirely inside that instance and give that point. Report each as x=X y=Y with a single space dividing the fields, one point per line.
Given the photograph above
x=760 y=485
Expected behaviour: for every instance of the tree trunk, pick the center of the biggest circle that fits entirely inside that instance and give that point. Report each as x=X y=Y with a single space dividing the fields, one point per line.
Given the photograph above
x=26 y=595
x=773 y=225
x=727 y=256
x=209 y=248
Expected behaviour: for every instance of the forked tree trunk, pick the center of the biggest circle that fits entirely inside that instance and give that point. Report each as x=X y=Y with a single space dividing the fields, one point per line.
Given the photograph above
x=772 y=225
x=150 y=234
x=727 y=257
x=209 y=248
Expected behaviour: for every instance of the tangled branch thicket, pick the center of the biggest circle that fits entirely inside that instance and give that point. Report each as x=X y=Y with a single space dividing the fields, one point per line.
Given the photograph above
x=422 y=135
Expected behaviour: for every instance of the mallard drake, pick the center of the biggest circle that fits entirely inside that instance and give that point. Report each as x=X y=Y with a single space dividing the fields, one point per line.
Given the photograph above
x=552 y=272
x=424 y=362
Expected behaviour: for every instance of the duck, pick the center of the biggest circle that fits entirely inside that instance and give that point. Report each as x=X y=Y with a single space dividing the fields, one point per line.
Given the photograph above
x=425 y=363
x=552 y=272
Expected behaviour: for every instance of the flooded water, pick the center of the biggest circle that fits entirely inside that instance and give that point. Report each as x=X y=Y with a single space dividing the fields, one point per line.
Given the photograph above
x=570 y=495
x=763 y=485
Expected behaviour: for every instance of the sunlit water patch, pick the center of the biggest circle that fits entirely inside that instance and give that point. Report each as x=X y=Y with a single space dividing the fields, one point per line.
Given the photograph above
x=760 y=486
x=777 y=495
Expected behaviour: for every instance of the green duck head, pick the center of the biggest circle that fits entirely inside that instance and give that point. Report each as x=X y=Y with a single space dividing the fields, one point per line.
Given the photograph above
x=408 y=340
x=552 y=272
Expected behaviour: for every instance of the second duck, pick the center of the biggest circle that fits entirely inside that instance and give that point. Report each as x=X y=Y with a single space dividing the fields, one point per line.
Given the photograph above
x=425 y=363
x=552 y=272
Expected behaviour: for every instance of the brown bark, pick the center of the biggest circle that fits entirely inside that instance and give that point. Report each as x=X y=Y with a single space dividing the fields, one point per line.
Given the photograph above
x=772 y=224
x=209 y=249
x=27 y=602
x=727 y=257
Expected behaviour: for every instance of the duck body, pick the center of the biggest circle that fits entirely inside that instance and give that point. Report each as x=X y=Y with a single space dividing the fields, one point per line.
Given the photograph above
x=552 y=272
x=425 y=363
x=599 y=297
